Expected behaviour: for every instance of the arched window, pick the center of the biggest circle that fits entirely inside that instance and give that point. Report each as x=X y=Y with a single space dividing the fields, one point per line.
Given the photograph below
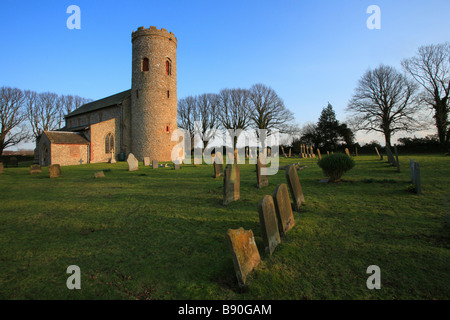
x=145 y=64
x=168 y=67
x=109 y=143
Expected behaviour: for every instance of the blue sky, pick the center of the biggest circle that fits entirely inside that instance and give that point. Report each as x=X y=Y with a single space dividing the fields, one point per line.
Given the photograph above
x=310 y=52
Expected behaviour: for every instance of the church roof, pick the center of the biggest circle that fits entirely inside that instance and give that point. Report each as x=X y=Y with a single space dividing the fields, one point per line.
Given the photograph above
x=61 y=137
x=113 y=100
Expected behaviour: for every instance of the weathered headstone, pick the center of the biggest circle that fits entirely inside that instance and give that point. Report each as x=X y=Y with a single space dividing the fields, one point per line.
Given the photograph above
x=35 y=168
x=290 y=152
x=155 y=164
x=411 y=168
x=146 y=161
x=218 y=165
x=244 y=252
x=261 y=179
x=176 y=165
x=347 y=152
x=113 y=158
x=283 y=208
x=378 y=153
x=390 y=155
x=269 y=224
x=133 y=164
x=231 y=183
x=1 y=167
x=417 y=181
x=294 y=187
x=99 y=174
x=319 y=154
x=54 y=170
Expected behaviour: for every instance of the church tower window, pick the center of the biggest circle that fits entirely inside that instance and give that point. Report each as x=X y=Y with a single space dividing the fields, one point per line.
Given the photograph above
x=168 y=67
x=145 y=64
x=109 y=143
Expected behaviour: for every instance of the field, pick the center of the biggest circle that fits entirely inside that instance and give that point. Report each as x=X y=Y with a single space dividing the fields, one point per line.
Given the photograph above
x=160 y=234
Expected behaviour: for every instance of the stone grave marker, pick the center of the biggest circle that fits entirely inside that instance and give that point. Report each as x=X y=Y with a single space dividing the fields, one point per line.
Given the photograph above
x=319 y=154
x=176 y=165
x=154 y=164
x=390 y=156
x=133 y=164
x=244 y=253
x=347 y=152
x=290 y=152
x=35 y=168
x=411 y=168
x=1 y=167
x=54 y=170
x=283 y=208
x=231 y=183
x=295 y=187
x=417 y=181
x=218 y=165
x=378 y=153
x=99 y=174
x=269 y=224
x=146 y=161
x=261 y=180
x=113 y=158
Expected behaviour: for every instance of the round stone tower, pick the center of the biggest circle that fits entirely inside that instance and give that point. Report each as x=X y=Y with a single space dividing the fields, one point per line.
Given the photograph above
x=153 y=93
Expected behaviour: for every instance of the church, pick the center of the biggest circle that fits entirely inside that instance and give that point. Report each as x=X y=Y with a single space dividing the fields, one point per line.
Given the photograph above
x=139 y=121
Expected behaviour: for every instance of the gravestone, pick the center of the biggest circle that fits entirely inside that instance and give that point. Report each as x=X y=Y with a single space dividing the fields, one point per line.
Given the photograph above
x=411 y=169
x=261 y=180
x=283 y=208
x=176 y=165
x=54 y=170
x=319 y=154
x=1 y=167
x=35 y=168
x=218 y=165
x=99 y=174
x=390 y=155
x=133 y=164
x=347 y=152
x=269 y=225
x=378 y=153
x=146 y=161
x=290 y=152
x=417 y=182
x=244 y=252
x=113 y=158
x=155 y=164
x=294 y=187
x=231 y=183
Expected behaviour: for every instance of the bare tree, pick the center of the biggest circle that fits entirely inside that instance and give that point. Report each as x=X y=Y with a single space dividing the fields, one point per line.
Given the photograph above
x=12 y=117
x=187 y=114
x=384 y=102
x=208 y=115
x=431 y=69
x=268 y=110
x=235 y=111
x=42 y=111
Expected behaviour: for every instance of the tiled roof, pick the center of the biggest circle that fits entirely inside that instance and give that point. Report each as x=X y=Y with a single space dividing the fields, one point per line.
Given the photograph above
x=60 y=137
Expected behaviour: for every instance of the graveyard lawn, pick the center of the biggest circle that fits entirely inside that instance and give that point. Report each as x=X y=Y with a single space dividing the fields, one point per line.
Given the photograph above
x=160 y=233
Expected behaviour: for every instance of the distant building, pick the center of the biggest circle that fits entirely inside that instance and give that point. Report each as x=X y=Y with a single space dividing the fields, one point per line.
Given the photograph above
x=139 y=121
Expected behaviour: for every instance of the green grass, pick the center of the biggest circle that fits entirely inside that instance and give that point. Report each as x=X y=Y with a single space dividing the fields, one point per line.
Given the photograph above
x=160 y=234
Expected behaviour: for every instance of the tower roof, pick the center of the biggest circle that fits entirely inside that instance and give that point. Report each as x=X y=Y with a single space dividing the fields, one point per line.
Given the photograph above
x=113 y=100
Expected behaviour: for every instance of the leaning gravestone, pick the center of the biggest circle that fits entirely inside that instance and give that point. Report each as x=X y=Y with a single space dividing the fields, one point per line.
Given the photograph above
x=218 y=165
x=269 y=225
x=347 y=152
x=411 y=168
x=1 y=167
x=417 y=182
x=244 y=252
x=54 y=170
x=378 y=153
x=231 y=183
x=35 y=168
x=283 y=208
x=146 y=161
x=295 y=187
x=390 y=155
x=319 y=154
x=133 y=164
x=261 y=179
x=155 y=164
x=99 y=174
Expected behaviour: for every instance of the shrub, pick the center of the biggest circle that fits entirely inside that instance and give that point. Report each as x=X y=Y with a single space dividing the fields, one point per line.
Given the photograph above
x=335 y=165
